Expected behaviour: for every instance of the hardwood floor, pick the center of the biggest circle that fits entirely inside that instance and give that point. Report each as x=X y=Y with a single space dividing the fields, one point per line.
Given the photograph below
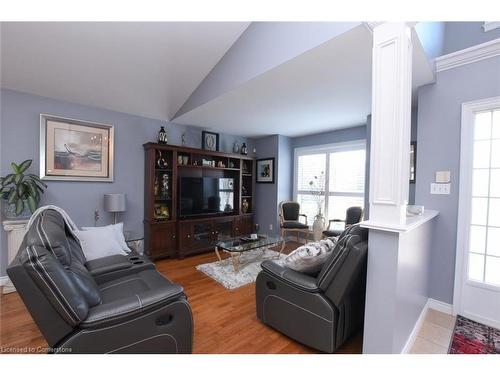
x=224 y=320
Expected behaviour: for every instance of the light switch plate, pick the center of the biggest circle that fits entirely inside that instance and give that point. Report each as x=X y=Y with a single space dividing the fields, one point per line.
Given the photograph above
x=443 y=177
x=443 y=189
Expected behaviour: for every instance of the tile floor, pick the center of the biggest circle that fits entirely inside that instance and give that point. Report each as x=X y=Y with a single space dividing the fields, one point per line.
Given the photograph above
x=435 y=334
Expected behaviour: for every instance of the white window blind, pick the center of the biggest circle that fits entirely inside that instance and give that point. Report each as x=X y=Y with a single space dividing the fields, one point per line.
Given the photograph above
x=338 y=175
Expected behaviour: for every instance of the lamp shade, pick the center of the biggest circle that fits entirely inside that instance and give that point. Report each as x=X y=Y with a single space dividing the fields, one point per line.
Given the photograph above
x=115 y=202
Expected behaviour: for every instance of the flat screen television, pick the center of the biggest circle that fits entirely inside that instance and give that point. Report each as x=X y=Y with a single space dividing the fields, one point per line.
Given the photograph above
x=205 y=195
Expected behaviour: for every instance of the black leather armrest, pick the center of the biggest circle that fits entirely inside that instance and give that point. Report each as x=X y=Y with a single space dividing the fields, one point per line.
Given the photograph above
x=108 y=264
x=297 y=279
x=133 y=305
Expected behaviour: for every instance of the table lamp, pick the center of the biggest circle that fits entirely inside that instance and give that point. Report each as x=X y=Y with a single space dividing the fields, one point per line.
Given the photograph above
x=115 y=203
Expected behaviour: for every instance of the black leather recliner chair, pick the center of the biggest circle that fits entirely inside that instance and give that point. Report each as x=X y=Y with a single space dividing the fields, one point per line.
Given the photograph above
x=323 y=311
x=117 y=304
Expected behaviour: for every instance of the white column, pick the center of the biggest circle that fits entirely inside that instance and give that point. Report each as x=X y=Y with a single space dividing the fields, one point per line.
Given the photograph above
x=399 y=248
x=15 y=230
x=391 y=123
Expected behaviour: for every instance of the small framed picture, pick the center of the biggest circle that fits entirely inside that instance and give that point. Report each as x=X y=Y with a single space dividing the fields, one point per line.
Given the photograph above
x=209 y=141
x=265 y=171
x=413 y=162
x=75 y=150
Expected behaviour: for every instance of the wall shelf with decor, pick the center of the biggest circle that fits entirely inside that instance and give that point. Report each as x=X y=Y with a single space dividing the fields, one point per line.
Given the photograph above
x=168 y=230
x=208 y=167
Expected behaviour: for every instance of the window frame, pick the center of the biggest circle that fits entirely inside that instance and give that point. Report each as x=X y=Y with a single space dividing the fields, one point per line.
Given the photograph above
x=359 y=144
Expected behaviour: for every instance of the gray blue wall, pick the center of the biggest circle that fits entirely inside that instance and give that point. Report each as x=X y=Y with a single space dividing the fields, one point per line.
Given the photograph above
x=439 y=117
x=285 y=168
x=20 y=129
x=341 y=135
x=266 y=209
x=460 y=35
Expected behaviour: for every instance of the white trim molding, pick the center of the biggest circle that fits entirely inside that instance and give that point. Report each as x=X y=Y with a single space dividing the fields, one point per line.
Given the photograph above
x=440 y=306
x=468 y=55
x=490 y=25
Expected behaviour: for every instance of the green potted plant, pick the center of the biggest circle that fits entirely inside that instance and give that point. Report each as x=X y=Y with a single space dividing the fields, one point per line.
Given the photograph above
x=21 y=191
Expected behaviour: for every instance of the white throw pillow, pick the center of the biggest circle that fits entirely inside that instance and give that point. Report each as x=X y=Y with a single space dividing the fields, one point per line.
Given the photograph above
x=310 y=258
x=117 y=230
x=99 y=243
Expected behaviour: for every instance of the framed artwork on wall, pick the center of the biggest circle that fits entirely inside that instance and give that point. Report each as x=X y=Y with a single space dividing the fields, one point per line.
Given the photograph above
x=265 y=171
x=209 y=141
x=413 y=162
x=75 y=150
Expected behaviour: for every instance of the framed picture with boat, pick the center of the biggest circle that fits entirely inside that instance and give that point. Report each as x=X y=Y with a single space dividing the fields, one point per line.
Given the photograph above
x=75 y=150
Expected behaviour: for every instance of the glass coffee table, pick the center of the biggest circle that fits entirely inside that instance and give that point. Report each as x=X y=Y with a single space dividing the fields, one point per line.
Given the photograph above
x=235 y=247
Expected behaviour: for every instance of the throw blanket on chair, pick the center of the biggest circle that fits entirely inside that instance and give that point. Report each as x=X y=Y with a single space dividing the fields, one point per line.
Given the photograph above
x=71 y=225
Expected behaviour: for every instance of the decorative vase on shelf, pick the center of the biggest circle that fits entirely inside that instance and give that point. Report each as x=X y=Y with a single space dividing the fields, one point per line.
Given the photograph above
x=162 y=136
x=165 y=188
x=318 y=226
x=161 y=162
x=236 y=147
x=244 y=206
x=244 y=150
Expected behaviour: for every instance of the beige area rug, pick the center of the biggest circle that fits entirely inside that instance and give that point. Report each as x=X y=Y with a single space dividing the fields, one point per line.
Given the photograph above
x=223 y=271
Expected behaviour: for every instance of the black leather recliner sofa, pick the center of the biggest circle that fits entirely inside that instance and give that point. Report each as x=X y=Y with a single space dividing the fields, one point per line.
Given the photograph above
x=117 y=304
x=321 y=312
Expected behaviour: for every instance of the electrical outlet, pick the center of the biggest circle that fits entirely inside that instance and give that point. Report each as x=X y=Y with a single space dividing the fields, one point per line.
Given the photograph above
x=270 y=227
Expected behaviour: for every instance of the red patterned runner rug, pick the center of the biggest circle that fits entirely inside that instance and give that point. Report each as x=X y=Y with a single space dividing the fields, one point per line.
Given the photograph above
x=470 y=337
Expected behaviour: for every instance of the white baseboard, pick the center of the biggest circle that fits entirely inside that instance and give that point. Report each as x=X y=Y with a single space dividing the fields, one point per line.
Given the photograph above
x=440 y=306
x=430 y=304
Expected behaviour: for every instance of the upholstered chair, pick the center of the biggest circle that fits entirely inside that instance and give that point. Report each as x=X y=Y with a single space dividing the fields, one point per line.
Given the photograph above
x=289 y=215
x=353 y=216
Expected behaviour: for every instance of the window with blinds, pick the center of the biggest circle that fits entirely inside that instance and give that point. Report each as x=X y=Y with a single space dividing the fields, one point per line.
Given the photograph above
x=330 y=178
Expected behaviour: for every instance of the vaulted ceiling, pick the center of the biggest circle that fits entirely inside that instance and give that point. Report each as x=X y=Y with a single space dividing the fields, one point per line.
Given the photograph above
x=288 y=78
x=144 y=68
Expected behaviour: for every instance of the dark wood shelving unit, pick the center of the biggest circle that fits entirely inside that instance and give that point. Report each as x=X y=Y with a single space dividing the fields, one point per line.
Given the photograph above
x=175 y=236
x=208 y=167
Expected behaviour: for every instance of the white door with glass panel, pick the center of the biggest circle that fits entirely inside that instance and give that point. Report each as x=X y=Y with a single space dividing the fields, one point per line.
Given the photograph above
x=477 y=272
x=337 y=173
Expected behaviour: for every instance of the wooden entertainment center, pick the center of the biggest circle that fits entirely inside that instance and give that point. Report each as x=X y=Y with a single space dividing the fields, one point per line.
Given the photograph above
x=166 y=232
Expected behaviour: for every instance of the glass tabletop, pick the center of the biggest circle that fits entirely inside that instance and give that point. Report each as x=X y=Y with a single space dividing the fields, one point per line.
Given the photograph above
x=241 y=244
